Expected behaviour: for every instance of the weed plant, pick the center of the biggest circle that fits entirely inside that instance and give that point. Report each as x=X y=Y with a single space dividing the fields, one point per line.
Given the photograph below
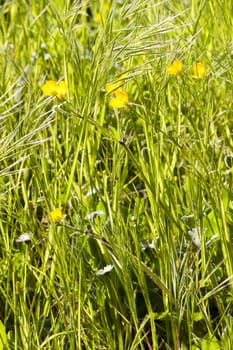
x=116 y=192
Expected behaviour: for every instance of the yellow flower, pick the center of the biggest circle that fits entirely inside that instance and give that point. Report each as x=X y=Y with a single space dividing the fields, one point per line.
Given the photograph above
x=98 y=17
x=175 y=68
x=56 y=215
x=106 y=7
x=52 y=88
x=102 y=13
x=199 y=70
x=61 y=90
x=110 y=87
x=120 y=100
x=49 y=88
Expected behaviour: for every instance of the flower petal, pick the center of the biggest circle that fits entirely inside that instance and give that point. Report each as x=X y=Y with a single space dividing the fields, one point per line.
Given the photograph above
x=56 y=215
x=49 y=88
x=52 y=88
x=175 y=68
x=103 y=271
x=110 y=87
x=24 y=237
x=120 y=100
x=61 y=90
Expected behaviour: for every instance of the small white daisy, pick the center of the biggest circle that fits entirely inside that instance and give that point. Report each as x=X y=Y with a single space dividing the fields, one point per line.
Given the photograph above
x=103 y=271
x=24 y=237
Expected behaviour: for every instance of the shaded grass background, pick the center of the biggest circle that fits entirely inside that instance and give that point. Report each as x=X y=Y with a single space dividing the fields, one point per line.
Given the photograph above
x=155 y=170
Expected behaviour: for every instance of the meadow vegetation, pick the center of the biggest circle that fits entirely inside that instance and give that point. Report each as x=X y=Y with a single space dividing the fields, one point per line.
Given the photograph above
x=116 y=216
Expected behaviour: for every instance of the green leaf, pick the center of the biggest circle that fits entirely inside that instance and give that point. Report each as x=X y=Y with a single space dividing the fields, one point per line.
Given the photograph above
x=197 y=316
x=210 y=343
x=3 y=336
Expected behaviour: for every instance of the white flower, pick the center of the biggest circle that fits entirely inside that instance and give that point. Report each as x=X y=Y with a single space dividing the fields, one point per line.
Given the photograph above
x=193 y=234
x=24 y=237
x=92 y=191
x=106 y=269
x=147 y=244
x=46 y=56
x=34 y=56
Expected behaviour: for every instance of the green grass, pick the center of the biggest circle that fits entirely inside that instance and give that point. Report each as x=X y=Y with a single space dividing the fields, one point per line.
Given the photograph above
x=136 y=185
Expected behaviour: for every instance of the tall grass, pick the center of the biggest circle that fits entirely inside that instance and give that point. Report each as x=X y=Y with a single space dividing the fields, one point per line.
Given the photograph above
x=142 y=256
